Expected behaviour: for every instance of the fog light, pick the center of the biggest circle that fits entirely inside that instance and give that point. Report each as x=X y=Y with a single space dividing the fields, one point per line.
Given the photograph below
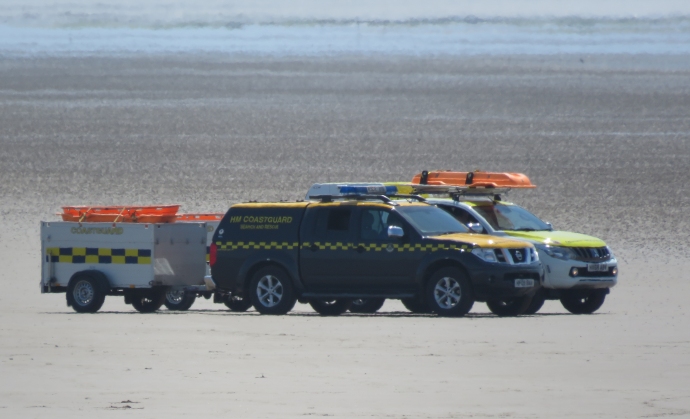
x=574 y=271
x=614 y=271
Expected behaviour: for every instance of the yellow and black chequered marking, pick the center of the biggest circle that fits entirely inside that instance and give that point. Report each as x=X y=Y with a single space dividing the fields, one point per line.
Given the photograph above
x=99 y=255
x=378 y=247
x=257 y=245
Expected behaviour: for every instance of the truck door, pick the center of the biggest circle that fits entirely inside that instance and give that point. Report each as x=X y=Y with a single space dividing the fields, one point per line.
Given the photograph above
x=384 y=265
x=326 y=255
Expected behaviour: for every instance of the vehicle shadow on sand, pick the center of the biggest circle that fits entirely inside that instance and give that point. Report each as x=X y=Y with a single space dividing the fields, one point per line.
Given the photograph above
x=386 y=314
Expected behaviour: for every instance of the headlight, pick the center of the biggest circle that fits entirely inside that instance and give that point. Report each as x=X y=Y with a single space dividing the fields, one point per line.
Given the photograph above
x=563 y=253
x=487 y=255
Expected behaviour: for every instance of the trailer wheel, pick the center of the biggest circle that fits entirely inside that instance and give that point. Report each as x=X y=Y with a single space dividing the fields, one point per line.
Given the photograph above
x=179 y=299
x=366 y=305
x=330 y=307
x=85 y=293
x=239 y=304
x=148 y=301
x=271 y=291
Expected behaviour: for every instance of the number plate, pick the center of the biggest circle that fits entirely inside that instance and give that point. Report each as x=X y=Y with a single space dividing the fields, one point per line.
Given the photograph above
x=597 y=267
x=524 y=283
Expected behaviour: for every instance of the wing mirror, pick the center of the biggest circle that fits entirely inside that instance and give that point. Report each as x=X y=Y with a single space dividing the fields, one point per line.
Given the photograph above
x=550 y=225
x=395 y=232
x=475 y=228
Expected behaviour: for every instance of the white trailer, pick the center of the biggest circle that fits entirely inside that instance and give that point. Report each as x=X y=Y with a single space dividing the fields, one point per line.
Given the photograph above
x=141 y=262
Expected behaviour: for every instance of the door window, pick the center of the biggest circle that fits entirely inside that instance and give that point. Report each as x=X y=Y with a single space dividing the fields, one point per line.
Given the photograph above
x=374 y=224
x=333 y=222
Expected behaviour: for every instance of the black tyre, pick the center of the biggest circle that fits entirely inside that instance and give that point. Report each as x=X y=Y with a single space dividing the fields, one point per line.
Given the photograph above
x=179 y=300
x=330 y=307
x=85 y=293
x=537 y=302
x=509 y=307
x=148 y=301
x=449 y=293
x=271 y=291
x=416 y=306
x=367 y=305
x=238 y=304
x=583 y=302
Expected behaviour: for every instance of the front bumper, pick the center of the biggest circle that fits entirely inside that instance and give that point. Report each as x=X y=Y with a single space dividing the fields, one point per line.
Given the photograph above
x=557 y=274
x=497 y=280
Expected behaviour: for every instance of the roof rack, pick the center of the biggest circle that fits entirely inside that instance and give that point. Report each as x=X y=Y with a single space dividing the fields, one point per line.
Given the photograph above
x=359 y=192
x=331 y=198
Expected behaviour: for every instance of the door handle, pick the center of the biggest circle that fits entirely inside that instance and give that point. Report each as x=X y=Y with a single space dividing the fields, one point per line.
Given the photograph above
x=360 y=249
x=314 y=248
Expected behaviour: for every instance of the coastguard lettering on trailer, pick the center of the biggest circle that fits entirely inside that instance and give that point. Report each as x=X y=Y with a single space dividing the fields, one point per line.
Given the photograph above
x=96 y=230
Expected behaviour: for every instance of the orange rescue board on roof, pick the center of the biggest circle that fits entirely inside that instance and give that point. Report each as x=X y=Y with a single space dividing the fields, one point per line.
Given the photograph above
x=477 y=179
x=124 y=214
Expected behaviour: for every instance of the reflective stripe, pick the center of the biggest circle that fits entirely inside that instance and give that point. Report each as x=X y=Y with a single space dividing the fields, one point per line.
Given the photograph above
x=374 y=247
x=99 y=255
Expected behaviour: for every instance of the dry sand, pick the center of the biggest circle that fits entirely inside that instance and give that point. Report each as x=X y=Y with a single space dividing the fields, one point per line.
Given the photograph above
x=607 y=140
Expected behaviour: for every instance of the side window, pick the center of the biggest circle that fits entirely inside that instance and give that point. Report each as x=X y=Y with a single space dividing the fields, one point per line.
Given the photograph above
x=332 y=221
x=374 y=224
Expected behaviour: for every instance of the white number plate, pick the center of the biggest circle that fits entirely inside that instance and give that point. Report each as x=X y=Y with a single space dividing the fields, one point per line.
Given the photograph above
x=597 y=267
x=524 y=283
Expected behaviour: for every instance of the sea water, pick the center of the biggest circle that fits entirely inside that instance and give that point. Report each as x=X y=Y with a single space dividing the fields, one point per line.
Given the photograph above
x=306 y=27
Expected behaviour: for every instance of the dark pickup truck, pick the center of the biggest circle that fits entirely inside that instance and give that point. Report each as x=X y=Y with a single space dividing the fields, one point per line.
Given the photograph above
x=328 y=253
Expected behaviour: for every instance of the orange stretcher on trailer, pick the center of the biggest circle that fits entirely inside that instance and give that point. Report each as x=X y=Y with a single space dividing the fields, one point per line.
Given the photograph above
x=476 y=179
x=122 y=214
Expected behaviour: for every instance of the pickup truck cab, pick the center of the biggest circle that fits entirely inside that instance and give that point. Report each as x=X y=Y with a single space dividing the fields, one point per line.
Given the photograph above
x=340 y=248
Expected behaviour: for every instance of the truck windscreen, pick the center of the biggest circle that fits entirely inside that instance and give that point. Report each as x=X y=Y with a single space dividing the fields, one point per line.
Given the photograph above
x=431 y=221
x=511 y=217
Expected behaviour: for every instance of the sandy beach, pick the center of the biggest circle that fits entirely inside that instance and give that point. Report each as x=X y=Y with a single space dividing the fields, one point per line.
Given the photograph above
x=605 y=137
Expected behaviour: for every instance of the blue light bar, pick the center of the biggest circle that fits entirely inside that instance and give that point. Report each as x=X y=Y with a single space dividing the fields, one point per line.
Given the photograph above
x=368 y=190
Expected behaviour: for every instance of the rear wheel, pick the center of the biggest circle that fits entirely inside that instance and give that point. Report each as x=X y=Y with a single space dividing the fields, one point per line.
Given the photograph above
x=330 y=307
x=582 y=301
x=449 y=293
x=85 y=294
x=271 y=291
x=148 y=301
x=416 y=306
x=179 y=300
x=238 y=304
x=508 y=307
x=367 y=305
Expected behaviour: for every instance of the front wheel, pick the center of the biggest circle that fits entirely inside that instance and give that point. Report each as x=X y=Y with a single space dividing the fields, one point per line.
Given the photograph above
x=583 y=302
x=367 y=305
x=84 y=294
x=148 y=301
x=509 y=307
x=239 y=304
x=537 y=302
x=449 y=293
x=330 y=307
x=271 y=291
x=179 y=300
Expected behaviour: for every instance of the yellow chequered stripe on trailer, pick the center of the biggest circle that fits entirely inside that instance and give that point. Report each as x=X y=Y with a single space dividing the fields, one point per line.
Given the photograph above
x=257 y=245
x=98 y=255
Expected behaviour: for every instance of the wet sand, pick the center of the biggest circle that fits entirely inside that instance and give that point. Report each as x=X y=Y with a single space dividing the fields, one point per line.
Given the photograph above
x=605 y=138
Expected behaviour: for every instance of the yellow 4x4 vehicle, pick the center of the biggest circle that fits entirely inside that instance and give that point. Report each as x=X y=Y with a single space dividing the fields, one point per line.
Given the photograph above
x=579 y=269
x=356 y=243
